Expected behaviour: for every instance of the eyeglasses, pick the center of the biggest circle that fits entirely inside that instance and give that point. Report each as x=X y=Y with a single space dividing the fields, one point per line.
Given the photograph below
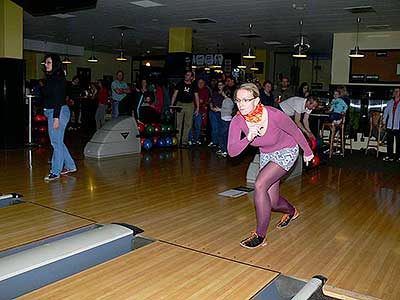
x=237 y=100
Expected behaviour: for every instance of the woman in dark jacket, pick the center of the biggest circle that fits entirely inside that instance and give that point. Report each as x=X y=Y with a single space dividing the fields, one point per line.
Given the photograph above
x=58 y=114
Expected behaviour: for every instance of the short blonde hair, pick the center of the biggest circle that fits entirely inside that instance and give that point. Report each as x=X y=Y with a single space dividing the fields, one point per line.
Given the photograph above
x=251 y=87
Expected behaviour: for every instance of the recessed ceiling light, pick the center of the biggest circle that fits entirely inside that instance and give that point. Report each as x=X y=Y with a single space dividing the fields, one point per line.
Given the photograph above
x=378 y=27
x=249 y=35
x=123 y=27
x=360 y=9
x=203 y=20
x=271 y=43
x=63 y=16
x=298 y=7
x=146 y=3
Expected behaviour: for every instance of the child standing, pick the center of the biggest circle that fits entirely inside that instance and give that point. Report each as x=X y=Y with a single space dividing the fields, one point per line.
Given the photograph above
x=225 y=120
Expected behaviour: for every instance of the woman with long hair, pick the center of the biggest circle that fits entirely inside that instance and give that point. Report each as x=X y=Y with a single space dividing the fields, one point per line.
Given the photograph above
x=58 y=114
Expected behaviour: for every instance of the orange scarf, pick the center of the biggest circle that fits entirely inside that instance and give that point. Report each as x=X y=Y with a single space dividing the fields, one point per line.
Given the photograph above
x=256 y=115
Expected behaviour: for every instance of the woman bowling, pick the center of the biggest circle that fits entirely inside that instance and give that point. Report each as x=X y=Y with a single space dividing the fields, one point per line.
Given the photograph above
x=57 y=113
x=278 y=138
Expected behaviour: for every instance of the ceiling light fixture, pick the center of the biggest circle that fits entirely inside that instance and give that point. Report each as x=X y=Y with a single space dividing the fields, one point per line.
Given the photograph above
x=121 y=56
x=92 y=58
x=146 y=3
x=355 y=53
x=250 y=51
x=301 y=47
x=66 y=59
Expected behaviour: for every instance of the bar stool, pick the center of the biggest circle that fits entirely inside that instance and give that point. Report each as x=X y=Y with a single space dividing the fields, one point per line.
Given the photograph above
x=337 y=137
x=375 y=122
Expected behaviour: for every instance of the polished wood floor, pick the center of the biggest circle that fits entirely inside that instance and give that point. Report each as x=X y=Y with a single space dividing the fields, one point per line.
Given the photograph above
x=348 y=229
x=160 y=271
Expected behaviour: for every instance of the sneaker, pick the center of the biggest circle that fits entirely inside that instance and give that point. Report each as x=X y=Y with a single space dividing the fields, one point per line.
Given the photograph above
x=388 y=158
x=211 y=144
x=51 y=177
x=66 y=171
x=222 y=153
x=190 y=143
x=254 y=241
x=198 y=143
x=286 y=218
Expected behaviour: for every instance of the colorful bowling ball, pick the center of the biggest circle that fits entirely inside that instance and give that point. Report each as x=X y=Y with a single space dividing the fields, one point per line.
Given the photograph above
x=141 y=127
x=150 y=129
x=170 y=128
x=142 y=141
x=168 y=141
x=312 y=142
x=316 y=161
x=174 y=141
x=43 y=129
x=157 y=128
x=161 y=142
x=43 y=118
x=164 y=128
x=155 y=139
x=147 y=144
x=37 y=118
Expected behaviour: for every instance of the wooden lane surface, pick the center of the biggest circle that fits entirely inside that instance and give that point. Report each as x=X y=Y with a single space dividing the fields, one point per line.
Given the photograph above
x=26 y=222
x=347 y=231
x=160 y=271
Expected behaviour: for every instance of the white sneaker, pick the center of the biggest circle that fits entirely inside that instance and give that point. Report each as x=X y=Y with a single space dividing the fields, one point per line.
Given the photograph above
x=211 y=144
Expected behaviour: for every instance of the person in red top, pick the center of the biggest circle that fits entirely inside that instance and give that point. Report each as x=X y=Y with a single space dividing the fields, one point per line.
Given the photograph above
x=102 y=101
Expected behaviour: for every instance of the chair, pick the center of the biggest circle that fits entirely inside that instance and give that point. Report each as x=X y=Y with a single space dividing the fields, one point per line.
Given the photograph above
x=375 y=122
x=337 y=137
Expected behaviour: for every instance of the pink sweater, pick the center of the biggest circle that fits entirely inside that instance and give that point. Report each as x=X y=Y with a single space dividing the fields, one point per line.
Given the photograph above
x=281 y=133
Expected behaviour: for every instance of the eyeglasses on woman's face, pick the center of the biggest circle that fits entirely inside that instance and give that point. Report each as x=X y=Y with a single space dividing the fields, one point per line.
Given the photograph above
x=245 y=100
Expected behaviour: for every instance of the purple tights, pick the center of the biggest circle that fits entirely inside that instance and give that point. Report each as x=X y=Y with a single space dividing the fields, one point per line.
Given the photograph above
x=267 y=197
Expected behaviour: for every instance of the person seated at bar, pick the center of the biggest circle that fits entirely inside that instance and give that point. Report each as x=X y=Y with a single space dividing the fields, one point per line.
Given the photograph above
x=296 y=106
x=338 y=108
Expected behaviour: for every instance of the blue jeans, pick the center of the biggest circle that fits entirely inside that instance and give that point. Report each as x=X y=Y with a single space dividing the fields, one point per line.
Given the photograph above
x=214 y=122
x=114 y=111
x=61 y=156
x=223 y=134
x=197 y=120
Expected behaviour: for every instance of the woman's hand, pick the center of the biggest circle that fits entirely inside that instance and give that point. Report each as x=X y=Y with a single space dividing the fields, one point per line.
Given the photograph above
x=307 y=159
x=310 y=135
x=254 y=131
x=56 y=123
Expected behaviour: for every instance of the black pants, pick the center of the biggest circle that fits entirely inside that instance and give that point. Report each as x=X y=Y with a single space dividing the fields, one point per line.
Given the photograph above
x=390 y=135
